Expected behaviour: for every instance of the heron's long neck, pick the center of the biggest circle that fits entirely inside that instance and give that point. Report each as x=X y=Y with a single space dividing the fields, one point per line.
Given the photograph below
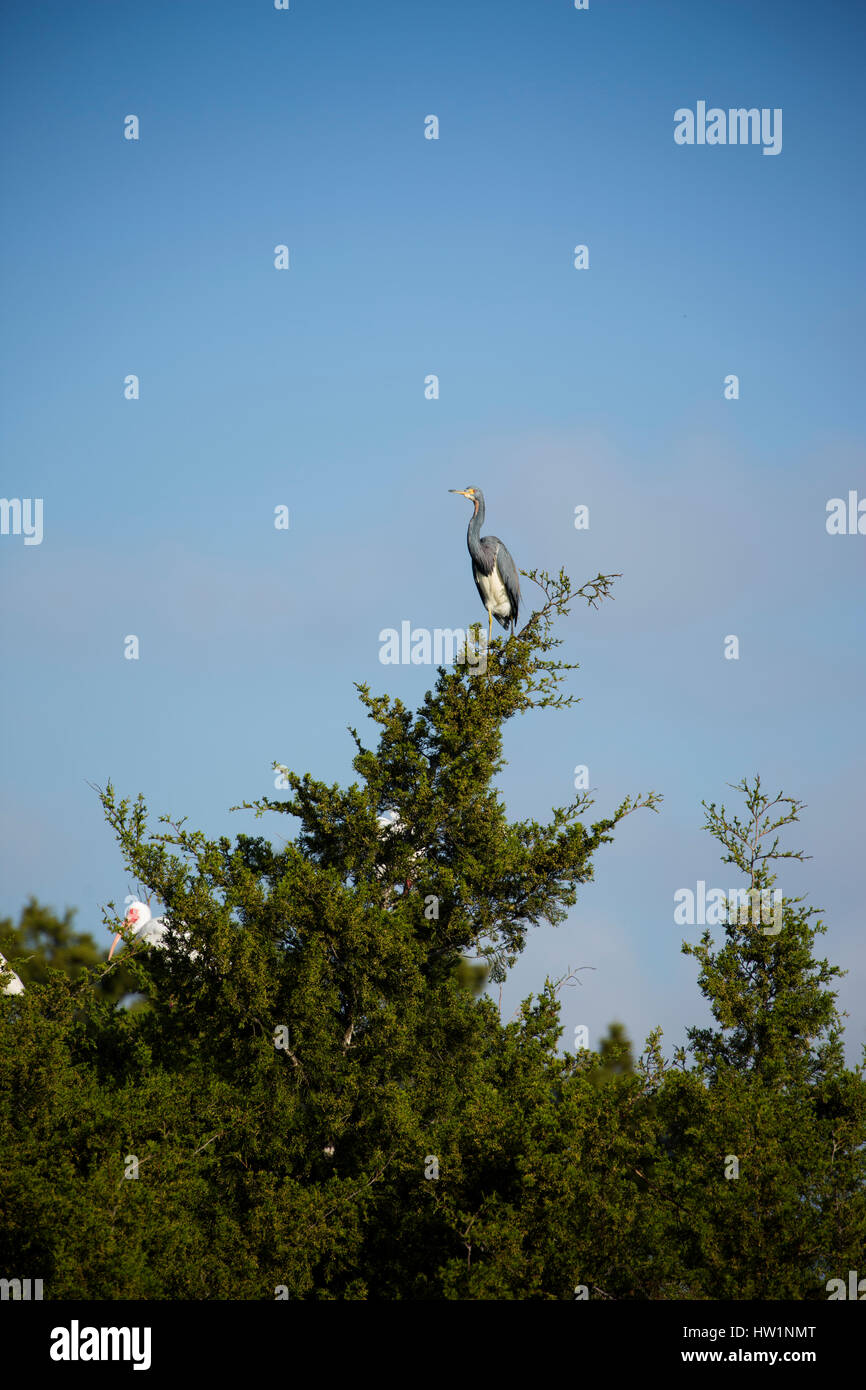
x=473 y=535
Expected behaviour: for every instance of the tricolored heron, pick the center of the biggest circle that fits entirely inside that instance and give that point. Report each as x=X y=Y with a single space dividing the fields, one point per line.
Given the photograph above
x=493 y=569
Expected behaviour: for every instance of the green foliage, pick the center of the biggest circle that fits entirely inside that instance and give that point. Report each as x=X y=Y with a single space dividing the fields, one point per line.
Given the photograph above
x=324 y=1105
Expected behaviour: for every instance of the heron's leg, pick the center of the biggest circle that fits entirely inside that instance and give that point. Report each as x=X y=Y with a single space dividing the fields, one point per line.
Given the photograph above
x=489 y=627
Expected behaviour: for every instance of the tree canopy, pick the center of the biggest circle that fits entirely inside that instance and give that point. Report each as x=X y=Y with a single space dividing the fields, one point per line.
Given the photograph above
x=326 y=1105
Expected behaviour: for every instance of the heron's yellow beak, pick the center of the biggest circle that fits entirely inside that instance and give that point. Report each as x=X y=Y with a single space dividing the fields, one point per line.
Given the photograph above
x=113 y=944
x=463 y=492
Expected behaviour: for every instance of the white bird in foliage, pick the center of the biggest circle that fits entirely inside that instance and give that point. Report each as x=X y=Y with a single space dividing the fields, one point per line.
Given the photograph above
x=14 y=986
x=154 y=931
x=391 y=824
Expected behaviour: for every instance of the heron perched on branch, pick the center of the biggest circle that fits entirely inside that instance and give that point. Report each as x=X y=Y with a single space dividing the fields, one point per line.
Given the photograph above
x=493 y=569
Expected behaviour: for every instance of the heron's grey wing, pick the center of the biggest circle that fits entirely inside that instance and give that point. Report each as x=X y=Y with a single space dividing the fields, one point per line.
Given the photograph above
x=485 y=557
x=482 y=564
x=510 y=578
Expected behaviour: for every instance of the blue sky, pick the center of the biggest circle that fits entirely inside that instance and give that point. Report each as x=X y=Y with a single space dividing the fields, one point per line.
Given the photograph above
x=558 y=387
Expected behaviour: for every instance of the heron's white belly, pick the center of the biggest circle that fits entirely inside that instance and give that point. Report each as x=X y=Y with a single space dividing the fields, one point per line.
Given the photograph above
x=494 y=593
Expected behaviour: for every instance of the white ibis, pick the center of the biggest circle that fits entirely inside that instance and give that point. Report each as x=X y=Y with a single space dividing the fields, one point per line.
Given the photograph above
x=14 y=986
x=391 y=824
x=154 y=931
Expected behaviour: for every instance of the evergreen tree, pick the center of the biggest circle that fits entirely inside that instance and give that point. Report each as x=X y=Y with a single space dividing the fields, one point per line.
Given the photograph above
x=615 y=1053
x=763 y=1147
x=288 y=1097
x=324 y=1105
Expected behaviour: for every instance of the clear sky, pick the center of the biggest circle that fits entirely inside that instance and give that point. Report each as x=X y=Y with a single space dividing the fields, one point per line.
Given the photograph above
x=409 y=256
